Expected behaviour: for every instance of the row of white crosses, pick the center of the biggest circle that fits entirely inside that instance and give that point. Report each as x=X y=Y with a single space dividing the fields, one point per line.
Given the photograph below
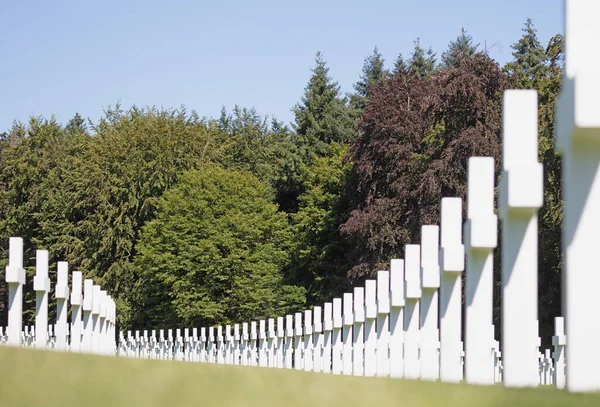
x=391 y=327
x=93 y=315
x=408 y=322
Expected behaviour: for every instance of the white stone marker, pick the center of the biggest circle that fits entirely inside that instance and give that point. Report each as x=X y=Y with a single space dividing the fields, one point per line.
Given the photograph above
x=210 y=345
x=318 y=341
x=102 y=325
x=187 y=343
x=578 y=141
x=88 y=325
x=521 y=195
x=161 y=344
x=228 y=345
x=25 y=336
x=298 y=362
x=41 y=286
x=220 y=345
x=262 y=344
x=110 y=318
x=137 y=345
x=452 y=261
x=270 y=352
x=15 y=277
x=289 y=340
x=49 y=338
x=497 y=359
x=271 y=342
x=547 y=367
x=370 y=328
x=62 y=294
x=462 y=360
x=170 y=345
x=144 y=345
x=122 y=345
x=96 y=298
x=152 y=346
x=280 y=339
x=358 y=346
x=383 y=323
x=245 y=345
x=308 y=341
x=203 y=345
x=253 y=344
x=480 y=231
x=559 y=341
x=337 y=340
x=178 y=352
x=195 y=356
x=76 y=300
x=412 y=277
x=348 y=316
x=106 y=336
x=130 y=346
x=327 y=336
x=430 y=283
x=397 y=302
x=236 y=344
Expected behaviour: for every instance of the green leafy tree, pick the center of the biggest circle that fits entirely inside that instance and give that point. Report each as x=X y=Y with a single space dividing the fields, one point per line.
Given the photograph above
x=30 y=168
x=214 y=253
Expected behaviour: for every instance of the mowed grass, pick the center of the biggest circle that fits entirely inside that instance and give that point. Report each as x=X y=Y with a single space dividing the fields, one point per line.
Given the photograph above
x=37 y=378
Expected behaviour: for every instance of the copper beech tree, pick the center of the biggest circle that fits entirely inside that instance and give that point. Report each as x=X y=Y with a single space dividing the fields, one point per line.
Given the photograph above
x=416 y=136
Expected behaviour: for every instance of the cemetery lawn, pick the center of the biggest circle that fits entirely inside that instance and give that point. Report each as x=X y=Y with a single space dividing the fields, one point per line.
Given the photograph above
x=36 y=378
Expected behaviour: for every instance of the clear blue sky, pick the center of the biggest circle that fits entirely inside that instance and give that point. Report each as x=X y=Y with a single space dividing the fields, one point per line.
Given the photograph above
x=61 y=57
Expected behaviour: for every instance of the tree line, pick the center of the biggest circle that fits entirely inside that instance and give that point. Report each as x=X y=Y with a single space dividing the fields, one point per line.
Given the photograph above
x=191 y=221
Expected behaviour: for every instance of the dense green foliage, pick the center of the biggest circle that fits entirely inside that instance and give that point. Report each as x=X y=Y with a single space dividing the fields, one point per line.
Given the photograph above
x=214 y=253
x=187 y=220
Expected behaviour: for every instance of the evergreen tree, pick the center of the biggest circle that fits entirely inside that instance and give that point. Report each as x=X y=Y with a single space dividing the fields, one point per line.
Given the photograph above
x=421 y=63
x=76 y=125
x=373 y=74
x=462 y=47
x=319 y=257
x=400 y=65
x=322 y=116
x=224 y=119
x=529 y=64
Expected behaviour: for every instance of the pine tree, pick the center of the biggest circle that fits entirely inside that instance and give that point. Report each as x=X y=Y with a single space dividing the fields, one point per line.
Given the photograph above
x=76 y=125
x=373 y=74
x=323 y=116
x=460 y=48
x=529 y=65
x=400 y=65
x=422 y=63
x=224 y=120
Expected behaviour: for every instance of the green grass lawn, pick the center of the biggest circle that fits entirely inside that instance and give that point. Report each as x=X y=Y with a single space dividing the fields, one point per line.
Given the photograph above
x=35 y=378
